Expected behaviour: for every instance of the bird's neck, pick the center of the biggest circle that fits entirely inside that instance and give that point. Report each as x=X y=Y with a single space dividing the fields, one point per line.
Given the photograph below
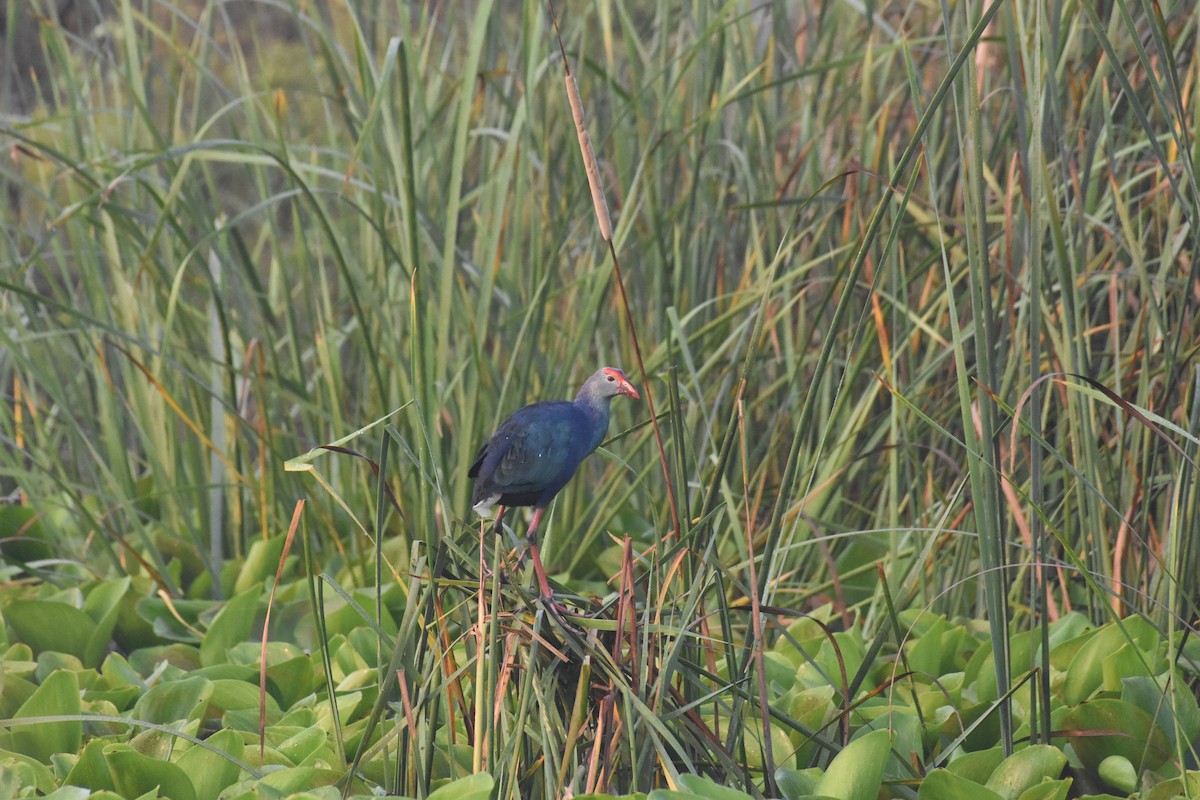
x=596 y=408
x=591 y=403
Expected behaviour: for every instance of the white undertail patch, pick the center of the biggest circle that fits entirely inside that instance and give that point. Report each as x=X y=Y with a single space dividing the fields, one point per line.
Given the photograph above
x=485 y=506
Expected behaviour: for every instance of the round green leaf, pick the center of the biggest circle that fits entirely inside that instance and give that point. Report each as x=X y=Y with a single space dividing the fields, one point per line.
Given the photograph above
x=169 y=702
x=1109 y=727
x=1118 y=772
x=709 y=789
x=1026 y=768
x=233 y=624
x=57 y=696
x=1048 y=790
x=135 y=774
x=941 y=784
x=797 y=783
x=51 y=626
x=211 y=771
x=856 y=773
x=474 y=787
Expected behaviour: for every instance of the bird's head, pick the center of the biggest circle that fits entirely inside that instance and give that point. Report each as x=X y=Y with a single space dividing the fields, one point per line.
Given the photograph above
x=609 y=382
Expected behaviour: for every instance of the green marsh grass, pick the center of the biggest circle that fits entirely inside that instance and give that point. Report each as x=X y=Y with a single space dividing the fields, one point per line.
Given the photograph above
x=915 y=293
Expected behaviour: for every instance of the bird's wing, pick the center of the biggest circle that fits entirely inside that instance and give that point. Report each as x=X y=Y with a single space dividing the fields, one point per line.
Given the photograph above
x=473 y=472
x=537 y=453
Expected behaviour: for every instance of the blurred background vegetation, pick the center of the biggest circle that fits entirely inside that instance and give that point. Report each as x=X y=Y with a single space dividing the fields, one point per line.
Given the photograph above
x=916 y=286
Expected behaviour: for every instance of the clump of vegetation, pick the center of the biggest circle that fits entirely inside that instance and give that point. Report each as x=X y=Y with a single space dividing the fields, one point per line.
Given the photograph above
x=912 y=291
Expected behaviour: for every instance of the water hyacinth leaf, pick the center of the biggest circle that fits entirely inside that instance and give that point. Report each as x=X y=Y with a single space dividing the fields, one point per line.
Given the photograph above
x=57 y=696
x=1020 y=652
x=345 y=614
x=1048 y=790
x=845 y=650
x=26 y=538
x=474 y=787
x=934 y=652
x=806 y=632
x=51 y=626
x=79 y=793
x=781 y=673
x=453 y=762
x=941 y=784
x=105 y=596
x=212 y=772
x=227 y=672
x=986 y=728
x=856 y=773
x=120 y=697
x=1109 y=727
x=781 y=746
x=906 y=742
x=1177 y=709
x=1185 y=787
x=15 y=690
x=290 y=680
x=135 y=774
x=811 y=708
x=233 y=695
x=975 y=664
x=90 y=770
x=701 y=786
x=21 y=771
x=1127 y=662
x=177 y=620
x=297 y=719
x=300 y=747
x=169 y=702
x=118 y=672
x=1025 y=769
x=1069 y=626
x=233 y=625
x=103 y=605
x=1118 y=772
x=259 y=566
x=978 y=766
x=52 y=660
x=132 y=630
x=797 y=783
x=294 y=780
x=158 y=742
x=1085 y=674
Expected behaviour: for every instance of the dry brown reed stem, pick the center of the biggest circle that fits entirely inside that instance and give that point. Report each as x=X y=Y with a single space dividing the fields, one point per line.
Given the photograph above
x=759 y=655
x=589 y=157
x=601 y=208
x=262 y=664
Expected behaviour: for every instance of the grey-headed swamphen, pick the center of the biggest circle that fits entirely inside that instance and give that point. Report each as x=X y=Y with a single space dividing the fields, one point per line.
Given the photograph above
x=536 y=451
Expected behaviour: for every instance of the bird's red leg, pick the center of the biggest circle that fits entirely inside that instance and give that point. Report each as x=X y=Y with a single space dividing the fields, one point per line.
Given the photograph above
x=543 y=582
x=495 y=527
x=521 y=555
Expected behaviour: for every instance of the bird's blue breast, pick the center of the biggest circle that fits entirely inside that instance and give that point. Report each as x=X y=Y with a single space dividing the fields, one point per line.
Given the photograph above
x=537 y=450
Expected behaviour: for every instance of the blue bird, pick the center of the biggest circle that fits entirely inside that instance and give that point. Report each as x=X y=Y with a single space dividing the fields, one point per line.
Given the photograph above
x=535 y=453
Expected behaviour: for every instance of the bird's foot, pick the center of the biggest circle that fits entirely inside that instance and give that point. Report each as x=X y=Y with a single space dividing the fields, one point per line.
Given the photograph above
x=506 y=570
x=557 y=609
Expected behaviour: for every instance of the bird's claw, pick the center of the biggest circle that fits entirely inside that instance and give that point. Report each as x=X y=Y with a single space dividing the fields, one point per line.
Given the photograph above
x=560 y=612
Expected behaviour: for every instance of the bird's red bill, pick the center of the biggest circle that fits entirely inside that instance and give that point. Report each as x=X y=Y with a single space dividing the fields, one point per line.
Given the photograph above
x=623 y=385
